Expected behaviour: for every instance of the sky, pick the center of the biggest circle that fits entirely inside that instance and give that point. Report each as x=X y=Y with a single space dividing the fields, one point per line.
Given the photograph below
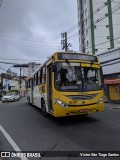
x=30 y=30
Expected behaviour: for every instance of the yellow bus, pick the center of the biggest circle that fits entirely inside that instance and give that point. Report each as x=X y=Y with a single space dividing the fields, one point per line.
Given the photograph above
x=67 y=84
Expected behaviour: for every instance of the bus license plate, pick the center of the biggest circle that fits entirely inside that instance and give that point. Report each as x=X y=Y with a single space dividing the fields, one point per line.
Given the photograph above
x=83 y=110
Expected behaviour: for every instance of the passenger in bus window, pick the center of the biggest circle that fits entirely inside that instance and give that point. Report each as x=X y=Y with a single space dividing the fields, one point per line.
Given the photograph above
x=63 y=76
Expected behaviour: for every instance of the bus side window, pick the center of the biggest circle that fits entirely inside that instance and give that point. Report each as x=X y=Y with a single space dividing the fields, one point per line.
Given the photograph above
x=26 y=84
x=37 y=78
x=29 y=84
x=43 y=75
x=40 y=76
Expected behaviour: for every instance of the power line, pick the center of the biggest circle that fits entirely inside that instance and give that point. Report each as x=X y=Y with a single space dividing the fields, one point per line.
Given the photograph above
x=26 y=44
x=103 y=43
x=29 y=40
x=113 y=51
x=64 y=44
x=110 y=63
x=97 y=10
x=21 y=59
x=8 y=62
x=100 y=19
x=3 y=69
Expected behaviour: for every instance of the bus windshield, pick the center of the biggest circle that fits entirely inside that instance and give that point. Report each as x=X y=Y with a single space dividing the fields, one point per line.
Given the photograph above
x=73 y=77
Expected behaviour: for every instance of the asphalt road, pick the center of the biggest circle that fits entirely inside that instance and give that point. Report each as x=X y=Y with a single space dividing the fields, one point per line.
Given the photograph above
x=33 y=132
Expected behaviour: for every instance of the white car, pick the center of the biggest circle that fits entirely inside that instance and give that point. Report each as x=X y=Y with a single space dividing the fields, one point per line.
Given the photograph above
x=9 y=97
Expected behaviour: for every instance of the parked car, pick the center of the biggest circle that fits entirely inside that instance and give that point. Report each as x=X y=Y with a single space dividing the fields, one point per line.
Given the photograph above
x=1 y=94
x=12 y=96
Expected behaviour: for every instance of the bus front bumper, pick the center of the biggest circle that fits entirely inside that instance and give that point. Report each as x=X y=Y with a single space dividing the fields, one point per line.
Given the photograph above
x=77 y=110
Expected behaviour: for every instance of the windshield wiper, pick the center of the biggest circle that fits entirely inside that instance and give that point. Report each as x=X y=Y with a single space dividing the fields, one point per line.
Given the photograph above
x=69 y=64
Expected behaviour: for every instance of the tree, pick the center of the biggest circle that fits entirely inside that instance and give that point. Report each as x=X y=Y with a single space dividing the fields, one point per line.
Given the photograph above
x=1 y=85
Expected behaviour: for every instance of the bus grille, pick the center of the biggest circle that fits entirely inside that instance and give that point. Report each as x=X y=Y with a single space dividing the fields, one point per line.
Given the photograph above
x=82 y=97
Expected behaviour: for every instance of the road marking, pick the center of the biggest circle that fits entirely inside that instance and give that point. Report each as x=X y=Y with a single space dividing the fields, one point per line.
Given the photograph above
x=11 y=141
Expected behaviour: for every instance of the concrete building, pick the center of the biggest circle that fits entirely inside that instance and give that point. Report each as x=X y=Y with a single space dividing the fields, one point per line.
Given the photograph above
x=110 y=61
x=13 y=83
x=14 y=74
x=32 y=67
x=99 y=22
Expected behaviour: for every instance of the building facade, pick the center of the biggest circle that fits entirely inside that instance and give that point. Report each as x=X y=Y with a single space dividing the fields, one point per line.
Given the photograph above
x=10 y=83
x=14 y=74
x=110 y=62
x=98 y=25
x=32 y=67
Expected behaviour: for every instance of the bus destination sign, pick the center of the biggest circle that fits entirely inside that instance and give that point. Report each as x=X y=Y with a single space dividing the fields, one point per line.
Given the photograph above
x=76 y=56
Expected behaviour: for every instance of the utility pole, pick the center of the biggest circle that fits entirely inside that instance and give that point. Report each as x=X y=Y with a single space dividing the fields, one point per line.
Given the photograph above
x=0 y=3
x=110 y=24
x=64 y=44
x=20 y=66
x=92 y=28
x=20 y=80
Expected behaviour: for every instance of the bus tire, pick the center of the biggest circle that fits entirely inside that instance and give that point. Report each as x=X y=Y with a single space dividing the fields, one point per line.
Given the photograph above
x=43 y=109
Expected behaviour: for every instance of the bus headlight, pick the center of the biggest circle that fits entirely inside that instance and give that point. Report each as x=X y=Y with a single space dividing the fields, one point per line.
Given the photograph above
x=61 y=103
x=100 y=101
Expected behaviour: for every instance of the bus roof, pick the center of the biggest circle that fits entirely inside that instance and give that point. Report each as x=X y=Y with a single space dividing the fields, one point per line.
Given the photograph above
x=54 y=55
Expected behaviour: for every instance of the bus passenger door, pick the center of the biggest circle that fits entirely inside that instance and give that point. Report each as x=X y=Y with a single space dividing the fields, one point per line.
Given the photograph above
x=49 y=87
x=32 y=88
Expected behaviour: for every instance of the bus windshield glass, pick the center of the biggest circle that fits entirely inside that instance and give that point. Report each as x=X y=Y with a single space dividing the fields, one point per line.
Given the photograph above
x=73 y=77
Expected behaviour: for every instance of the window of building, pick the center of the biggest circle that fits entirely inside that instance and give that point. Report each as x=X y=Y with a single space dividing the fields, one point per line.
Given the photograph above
x=96 y=50
x=83 y=3
x=87 y=43
x=86 y=11
x=83 y=13
x=86 y=32
x=86 y=22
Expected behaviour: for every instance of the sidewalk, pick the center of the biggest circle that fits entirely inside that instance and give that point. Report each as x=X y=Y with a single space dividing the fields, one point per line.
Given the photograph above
x=112 y=105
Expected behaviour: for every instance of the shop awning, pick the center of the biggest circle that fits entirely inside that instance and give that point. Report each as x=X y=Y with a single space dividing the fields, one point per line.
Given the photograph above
x=112 y=81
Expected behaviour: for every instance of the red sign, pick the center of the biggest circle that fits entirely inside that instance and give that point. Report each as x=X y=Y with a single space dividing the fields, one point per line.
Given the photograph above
x=112 y=81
